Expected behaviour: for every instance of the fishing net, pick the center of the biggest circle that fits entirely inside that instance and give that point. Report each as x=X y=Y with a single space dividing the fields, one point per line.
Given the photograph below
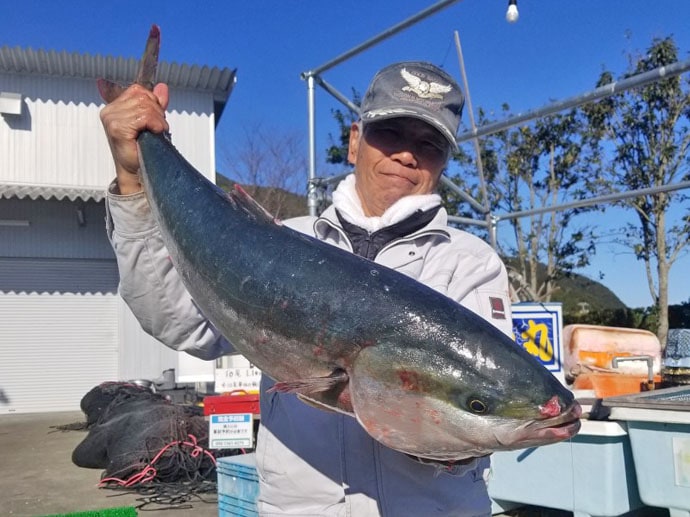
x=146 y=443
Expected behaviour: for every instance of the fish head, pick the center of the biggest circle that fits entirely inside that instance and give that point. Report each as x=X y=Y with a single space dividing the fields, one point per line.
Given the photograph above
x=457 y=401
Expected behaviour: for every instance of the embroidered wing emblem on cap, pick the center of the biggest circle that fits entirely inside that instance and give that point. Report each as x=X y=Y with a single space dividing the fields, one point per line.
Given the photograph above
x=423 y=89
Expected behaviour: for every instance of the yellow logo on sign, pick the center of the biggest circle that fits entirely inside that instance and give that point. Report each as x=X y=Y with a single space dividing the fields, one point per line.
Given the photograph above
x=535 y=339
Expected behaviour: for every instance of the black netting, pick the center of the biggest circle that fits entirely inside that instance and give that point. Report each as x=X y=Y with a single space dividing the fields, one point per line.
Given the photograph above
x=139 y=437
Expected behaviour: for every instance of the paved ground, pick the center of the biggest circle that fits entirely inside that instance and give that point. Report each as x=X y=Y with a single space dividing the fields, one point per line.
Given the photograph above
x=37 y=476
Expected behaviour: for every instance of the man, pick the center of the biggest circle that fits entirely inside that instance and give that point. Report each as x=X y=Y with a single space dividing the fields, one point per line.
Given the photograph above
x=313 y=462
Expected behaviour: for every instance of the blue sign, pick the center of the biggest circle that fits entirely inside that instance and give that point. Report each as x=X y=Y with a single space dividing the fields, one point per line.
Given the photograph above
x=537 y=327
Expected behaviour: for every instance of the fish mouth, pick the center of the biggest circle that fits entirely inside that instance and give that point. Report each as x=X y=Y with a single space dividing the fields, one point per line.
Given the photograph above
x=560 y=427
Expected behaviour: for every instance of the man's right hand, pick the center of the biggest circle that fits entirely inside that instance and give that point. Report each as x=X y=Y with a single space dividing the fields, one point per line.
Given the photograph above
x=135 y=110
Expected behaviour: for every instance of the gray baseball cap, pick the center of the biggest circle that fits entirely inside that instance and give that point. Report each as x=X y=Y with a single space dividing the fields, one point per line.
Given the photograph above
x=415 y=89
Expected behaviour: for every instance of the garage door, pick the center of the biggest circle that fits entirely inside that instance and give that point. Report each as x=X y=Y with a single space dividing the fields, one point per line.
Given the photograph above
x=57 y=343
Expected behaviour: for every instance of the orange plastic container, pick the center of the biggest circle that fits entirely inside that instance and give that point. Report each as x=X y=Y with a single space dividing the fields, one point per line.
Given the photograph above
x=596 y=346
x=611 y=384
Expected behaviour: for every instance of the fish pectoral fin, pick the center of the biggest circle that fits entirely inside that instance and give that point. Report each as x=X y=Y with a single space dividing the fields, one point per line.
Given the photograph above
x=311 y=385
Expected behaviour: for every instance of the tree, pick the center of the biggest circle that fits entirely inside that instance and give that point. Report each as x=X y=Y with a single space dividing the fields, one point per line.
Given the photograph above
x=337 y=151
x=644 y=139
x=270 y=165
x=528 y=168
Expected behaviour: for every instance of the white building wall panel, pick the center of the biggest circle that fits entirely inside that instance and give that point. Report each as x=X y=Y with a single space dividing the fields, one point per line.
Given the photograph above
x=192 y=126
x=58 y=139
x=54 y=349
x=77 y=276
x=141 y=356
x=55 y=229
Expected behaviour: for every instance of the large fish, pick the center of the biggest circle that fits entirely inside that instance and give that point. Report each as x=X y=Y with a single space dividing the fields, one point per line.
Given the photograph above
x=422 y=374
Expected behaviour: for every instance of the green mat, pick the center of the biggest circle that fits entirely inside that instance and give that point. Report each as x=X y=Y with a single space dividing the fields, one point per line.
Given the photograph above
x=123 y=511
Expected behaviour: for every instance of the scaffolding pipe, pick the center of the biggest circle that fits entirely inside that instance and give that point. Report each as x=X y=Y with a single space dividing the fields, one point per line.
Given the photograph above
x=335 y=93
x=312 y=194
x=663 y=72
x=380 y=37
x=464 y=195
x=486 y=209
x=618 y=196
x=596 y=200
x=466 y=220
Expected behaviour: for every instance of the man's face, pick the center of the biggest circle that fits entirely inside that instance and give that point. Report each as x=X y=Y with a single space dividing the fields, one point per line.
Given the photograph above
x=395 y=158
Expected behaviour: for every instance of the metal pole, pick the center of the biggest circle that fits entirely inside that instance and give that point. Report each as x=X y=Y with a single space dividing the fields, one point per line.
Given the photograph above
x=663 y=72
x=335 y=93
x=493 y=230
x=480 y=166
x=464 y=195
x=596 y=200
x=380 y=37
x=466 y=220
x=312 y=194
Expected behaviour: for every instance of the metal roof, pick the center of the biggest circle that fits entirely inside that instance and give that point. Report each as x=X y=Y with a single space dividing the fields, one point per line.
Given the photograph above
x=20 y=191
x=217 y=81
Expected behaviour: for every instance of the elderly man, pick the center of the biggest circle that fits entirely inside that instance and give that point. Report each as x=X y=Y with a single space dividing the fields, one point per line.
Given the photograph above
x=313 y=462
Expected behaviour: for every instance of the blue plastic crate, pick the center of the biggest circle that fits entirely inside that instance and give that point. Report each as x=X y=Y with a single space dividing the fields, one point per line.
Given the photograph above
x=238 y=485
x=228 y=507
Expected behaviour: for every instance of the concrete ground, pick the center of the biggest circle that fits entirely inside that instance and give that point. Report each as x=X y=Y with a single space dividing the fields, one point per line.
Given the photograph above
x=38 y=478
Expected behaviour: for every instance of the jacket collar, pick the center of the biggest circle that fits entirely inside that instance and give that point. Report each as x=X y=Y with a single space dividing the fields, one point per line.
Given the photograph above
x=328 y=221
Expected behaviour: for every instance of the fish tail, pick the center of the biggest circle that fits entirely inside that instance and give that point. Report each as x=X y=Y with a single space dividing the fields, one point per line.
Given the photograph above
x=146 y=74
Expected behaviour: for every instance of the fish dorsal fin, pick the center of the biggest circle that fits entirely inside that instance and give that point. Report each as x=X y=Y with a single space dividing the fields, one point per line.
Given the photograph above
x=243 y=200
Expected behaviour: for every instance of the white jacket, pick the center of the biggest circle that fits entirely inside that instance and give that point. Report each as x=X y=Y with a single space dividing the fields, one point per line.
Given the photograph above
x=312 y=462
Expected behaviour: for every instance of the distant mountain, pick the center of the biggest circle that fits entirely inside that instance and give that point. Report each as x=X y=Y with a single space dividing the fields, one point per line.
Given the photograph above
x=579 y=293
x=577 y=289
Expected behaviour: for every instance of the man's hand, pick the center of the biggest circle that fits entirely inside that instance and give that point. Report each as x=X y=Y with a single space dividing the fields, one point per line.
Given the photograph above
x=135 y=110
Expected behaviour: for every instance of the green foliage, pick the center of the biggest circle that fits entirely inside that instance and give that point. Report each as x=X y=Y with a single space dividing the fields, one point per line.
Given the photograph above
x=537 y=165
x=337 y=151
x=643 y=142
x=640 y=318
x=679 y=316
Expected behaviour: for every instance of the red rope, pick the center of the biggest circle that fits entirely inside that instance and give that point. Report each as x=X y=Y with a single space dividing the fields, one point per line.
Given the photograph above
x=148 y=473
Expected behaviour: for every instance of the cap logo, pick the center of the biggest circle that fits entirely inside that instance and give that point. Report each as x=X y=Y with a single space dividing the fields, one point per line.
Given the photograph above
x=423 y=89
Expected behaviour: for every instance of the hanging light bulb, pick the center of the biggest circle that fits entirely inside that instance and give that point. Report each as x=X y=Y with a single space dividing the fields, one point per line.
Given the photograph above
x=512 y=14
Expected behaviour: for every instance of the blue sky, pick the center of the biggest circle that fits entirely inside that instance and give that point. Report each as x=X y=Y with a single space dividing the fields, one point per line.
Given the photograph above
x=556 y=50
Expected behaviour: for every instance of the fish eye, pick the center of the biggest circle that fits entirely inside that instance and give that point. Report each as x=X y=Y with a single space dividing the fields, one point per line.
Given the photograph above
x=477 y=406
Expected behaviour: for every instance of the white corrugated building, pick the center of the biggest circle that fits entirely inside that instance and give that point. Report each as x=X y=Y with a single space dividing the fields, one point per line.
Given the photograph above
x=63 y=327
